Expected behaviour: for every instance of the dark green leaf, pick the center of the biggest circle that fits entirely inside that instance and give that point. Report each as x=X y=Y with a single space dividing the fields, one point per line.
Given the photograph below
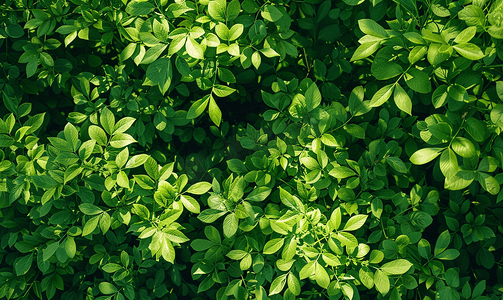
x=22 y=266
x=271 y=13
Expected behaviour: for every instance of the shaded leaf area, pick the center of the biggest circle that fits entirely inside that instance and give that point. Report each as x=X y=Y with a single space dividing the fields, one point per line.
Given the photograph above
x=215 y=149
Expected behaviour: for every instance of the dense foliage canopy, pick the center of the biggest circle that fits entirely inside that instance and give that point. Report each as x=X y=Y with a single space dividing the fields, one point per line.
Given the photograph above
x=256 y=149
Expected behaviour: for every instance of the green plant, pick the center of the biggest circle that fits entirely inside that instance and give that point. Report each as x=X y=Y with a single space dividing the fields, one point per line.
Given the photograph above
x=251 y=149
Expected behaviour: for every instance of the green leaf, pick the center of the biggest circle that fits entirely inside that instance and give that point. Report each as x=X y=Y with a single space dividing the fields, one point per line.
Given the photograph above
x=139 y=7
x=273 y=246
x=329 y=140
x=341 y=172
x=381 y=282
x=418 y=81
x=347 y=239
x=86 y=149
x=230 y=224
x=476 y=129
x=226 y=75
x=355 y=131
x=307 y=270
x=107 y=120
x=237 y=254
x=293 y=284
x=90 y=209
x=259 y=194
x=90 y=225
x=290 y=201
x=417 y=53
x=34 y=123
x=222 y=90
x=271 y=13
x=366 y=277
x=411 y=7
x=44 y=181
x=46 y=59
x=479 y=289
x=449 y=163
x=335 y=219
x=182 y=66
x=396 y=267
x=278 y=284
x=470 y=51
x=449 y=254
x=370 y=27
x=402 y=100
x=222 y=31
x=141 y=210
x=112 y=268
x=414 y=37
x=199 y=188
x=23 y=265
x=107 y=288
x=235 y=32
x=121 y=140
x=123 y=124
x=424 y=249
x=268 y=52
x=382 y=95
x=175 y=236
x=488 y=183
x=466 y=35
x=457 y=92
x=376 y=256
x=98 y=134
x=153 y=54
x=201 y=245
x=233 y=10
x=356 y=99
x=365 y=50
x=497 y=115
x=6 y=141
x=313 y=97
x=440 y=96
x=425 y=155
x=70 y=247
x=50 y=250
x=194 y=49
x=136 y=161
x=215 y=112
x=160 y=72
x=198 y=107
x=105 y=222
x=461 y=180
x=397 y=164
x=355 y=222
x=442 y=243
x=256 y=60
x=321 y=276
x=72 y=136
x=463 y=147
x=441 y=131
x=216 y=9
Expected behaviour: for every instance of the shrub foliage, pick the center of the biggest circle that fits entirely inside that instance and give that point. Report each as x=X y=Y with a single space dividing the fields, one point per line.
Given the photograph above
x=256 y=149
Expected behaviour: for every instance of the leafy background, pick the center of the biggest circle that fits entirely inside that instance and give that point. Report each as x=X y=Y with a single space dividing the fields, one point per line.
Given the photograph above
x=160 y=149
